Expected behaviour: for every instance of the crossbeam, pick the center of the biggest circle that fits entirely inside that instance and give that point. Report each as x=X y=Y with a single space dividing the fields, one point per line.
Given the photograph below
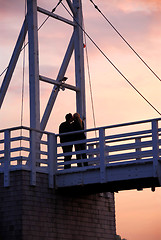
x=53 y=15
x=59 y=83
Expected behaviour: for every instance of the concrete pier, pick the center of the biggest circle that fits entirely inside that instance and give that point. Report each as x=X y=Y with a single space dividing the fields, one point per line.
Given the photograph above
x=39 y=212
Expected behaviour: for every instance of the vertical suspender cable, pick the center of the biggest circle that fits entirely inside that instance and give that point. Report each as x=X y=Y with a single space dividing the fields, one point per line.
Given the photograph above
x=23 y=74
x=89 y=78
x=23 y=83
x=3 y=71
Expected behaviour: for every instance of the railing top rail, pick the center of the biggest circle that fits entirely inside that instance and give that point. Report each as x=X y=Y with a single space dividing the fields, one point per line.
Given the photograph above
x=25 y=128
x=112 y=126
x=86 y=130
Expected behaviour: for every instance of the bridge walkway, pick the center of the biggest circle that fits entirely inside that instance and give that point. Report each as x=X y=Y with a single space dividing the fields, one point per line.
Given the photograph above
x=120 y=157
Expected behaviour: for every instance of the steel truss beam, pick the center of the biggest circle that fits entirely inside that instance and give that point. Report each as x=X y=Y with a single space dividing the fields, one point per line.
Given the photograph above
x=55 y=16
x=59 y=84
x=75 y=44
x=33 y=64
x=13 y=62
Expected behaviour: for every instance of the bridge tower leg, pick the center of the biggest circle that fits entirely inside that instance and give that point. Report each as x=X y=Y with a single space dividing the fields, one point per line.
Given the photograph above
x=33 y=64
x=79 y=59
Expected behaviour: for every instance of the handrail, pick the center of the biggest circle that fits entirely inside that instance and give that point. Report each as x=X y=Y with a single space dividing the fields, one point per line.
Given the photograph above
x=112 y=126
x=86 y=130
x=25 y=128
x=108 y=149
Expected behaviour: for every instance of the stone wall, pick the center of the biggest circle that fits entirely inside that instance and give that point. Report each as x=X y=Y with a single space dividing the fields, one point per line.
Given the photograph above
x=38 y=212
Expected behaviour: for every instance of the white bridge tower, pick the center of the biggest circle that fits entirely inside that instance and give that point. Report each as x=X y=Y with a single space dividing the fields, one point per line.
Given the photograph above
x=75 y=45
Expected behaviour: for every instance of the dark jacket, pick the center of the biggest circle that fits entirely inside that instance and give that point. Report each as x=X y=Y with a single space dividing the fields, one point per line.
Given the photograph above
x=64 y=128
x=78 y=127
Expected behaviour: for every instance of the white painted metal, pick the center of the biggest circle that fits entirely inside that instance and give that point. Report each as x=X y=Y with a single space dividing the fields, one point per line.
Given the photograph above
x=111 y=157
x=138 y=150
x=51 y=159
x=33 y=64
x=55 y=16
x=79 y=59
x=58 y=83
x=32 y=157
x=71 y=7
x=76 y=44
x=102 y=155
x=7 y=158
x=155 y=139
x=124 y=158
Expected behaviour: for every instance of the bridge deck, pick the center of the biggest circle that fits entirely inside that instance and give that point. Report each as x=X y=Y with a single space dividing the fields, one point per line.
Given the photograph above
x=117 y=177
x=119 y=157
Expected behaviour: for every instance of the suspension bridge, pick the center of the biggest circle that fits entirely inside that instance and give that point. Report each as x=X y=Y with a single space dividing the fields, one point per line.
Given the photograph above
x=122 y=160
x=126 y=160
x=118 y=157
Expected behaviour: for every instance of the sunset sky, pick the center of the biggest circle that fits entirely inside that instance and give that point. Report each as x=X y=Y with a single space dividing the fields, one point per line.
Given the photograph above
x=138 y=214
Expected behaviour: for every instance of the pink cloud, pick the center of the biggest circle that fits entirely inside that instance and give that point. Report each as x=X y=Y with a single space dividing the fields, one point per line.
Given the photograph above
x=130 y=6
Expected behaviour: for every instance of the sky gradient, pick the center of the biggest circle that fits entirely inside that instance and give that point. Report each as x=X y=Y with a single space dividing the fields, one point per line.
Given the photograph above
x=138 y=214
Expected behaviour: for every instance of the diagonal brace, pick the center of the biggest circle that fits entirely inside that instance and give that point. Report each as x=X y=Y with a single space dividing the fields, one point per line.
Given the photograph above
x=70 y=4
x=55 y=90
x=13 y=62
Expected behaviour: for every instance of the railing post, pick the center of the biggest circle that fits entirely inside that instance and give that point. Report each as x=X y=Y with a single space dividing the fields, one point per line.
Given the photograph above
x=102 y=155
x=6 y=158
x=90 y=147
x=155 y=145
x=33 y=157
x=138 y=149
x=52 y=160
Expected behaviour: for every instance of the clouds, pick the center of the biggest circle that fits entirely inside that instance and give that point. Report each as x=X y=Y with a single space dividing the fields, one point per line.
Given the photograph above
x=139 y=5
x=11 y=10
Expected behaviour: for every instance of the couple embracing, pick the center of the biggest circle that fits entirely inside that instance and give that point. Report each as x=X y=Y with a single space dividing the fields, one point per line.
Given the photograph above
x=73 y=123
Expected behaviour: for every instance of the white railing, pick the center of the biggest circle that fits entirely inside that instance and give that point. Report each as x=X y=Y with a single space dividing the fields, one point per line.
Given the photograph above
x=117 y=145
x=23 y=148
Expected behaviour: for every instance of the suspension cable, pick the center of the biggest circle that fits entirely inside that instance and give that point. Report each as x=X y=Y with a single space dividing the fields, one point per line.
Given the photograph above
x=90 y=83
x=111 y=62
x=56 y=6
x=22 y=92
x=3 y=71
x=96 y=7
x=23 y=81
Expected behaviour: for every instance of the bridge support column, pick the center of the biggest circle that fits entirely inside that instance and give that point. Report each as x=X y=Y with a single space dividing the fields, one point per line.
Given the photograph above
x=39 y=212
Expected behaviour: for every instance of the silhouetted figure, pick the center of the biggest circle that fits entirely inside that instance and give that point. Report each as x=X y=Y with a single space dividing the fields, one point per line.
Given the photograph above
x=77 y=126
x=64 y=128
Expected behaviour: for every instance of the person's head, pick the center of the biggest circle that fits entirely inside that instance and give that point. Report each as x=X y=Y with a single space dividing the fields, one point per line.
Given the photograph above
x=76 y=116
x=78 y=119
x=69 y=117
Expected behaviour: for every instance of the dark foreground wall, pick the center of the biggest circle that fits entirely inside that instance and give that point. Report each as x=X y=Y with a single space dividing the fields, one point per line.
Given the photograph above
x=40 y=213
